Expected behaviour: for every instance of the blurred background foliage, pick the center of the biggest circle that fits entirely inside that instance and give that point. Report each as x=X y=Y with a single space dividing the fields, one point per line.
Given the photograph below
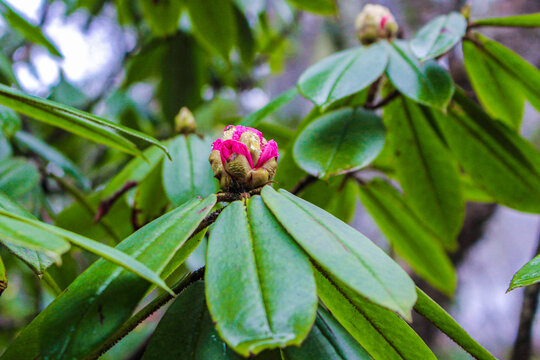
x=130 y=62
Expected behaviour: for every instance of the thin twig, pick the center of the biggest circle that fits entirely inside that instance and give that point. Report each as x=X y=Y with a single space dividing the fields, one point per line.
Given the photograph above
x=106 y=204
x=394 y=94
x=147 y=311
x=302 y=184
x=523 y=342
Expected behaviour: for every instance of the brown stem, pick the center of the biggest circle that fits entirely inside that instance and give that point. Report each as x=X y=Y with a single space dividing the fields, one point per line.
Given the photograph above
x=302 y=184
x=394 y=94
x=234 y=196
x=523 y=342
x=106 y=204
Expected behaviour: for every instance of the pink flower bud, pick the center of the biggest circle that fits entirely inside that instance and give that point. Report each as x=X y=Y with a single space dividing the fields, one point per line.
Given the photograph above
x=242 y=159
x=375 y=22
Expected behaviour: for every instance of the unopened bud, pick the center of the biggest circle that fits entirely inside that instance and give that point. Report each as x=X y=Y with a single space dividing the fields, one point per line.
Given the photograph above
x=184 y=122
x=375 y=22
x=242 y=159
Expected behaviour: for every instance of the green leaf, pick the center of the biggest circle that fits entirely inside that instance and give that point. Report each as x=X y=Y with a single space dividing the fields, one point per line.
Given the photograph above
x=162 y=16
x=73 y=120
x=327 y=340
x=339 y=142
x=213 y=24
x=189 y=174
x=527 y=20
x=65 y=93
x=426 y=171
x=323 y=7
x=186 y=331
x=426 y=83
x=271 y=299
x=183 y=73
x=49 y=235
x=342 y=74
x=498 y=90
x=408 y=235
x=149 y=200
x=428 y=308
x=343 y=252
x=52 y=155
x=17 y=176
x=504 y=164
x=7 y=75
x=28 y=31
x=438 y=36
x=381 y=332
x=256 y=117
x=343 y=203
x=135 y=170
x=527 y=75
x=246 y=39
x=36 y=260
x=107 y=294
x=3 y=277
x=529 y=274
x=10 y=122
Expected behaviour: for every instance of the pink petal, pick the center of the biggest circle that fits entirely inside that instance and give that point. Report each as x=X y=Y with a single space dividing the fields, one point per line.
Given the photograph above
x=269 y=151
x=229 y=147
x=216 y=145
x=384 y=20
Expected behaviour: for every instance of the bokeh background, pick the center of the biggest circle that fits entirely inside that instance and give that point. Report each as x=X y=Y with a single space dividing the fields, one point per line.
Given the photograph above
x=496 y=241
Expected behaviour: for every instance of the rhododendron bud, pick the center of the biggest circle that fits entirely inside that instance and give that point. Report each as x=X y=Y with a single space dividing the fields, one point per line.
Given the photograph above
x=375 y=22
x=242 y=159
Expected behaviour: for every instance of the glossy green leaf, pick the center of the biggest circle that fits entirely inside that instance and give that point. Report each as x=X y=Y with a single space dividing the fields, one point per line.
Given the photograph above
x=73 y=120
x=327 y=340
x=526 y=74
x=428 y=308
x=34 y=229
x=30 y=32
x=343 y=74
x=497 y=89
x=271 y=291
x=3 y=277
x=343 y=204
x=529 y=274
x=323 y=7
x=527 y=20
x=438 y=36
x=107 y=294
x=65 y=93
x=504 y=164
x=213 y=24
x=186 y=331
x=426 y=170
x=383 y=334
x=343 y=252
x=17 y=176
x=256 y=117
x=36 y=260
x=408 y=235
x=426 y=83
x=52 y=155
x=339 y=142
x=162 y=16
x=189 y=173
